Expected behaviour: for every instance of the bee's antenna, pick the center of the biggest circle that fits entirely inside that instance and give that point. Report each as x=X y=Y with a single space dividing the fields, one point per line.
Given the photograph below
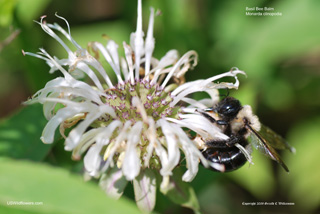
x=228 y=92
x=225 y=95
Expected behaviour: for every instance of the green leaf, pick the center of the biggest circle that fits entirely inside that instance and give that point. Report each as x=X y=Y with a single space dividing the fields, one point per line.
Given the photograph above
x=57 y=189
x=181 y=192
x=302 y=184
x=20 y=134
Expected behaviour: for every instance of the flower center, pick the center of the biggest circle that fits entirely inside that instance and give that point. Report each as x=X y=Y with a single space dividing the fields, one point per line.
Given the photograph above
x=155 y=100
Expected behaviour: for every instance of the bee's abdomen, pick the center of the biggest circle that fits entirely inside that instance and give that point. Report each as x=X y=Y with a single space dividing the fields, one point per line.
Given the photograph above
x=232 y=158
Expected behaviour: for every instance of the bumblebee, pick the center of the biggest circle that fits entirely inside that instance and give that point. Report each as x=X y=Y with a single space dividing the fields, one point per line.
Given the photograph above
x=244 y=131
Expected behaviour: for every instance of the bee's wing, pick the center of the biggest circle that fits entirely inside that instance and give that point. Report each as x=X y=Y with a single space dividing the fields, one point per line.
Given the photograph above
x=275 y=140
x=265 y=147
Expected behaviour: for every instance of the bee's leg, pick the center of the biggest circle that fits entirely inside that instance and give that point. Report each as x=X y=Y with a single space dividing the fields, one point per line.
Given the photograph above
x=217 y=144
x=220 y=144
x=234 y=139
x=212 y=120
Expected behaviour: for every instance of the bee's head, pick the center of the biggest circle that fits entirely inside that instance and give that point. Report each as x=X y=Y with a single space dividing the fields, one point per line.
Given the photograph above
x=228 y=108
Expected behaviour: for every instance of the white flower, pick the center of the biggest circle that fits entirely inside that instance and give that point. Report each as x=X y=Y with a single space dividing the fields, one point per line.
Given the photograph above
x=135 y=127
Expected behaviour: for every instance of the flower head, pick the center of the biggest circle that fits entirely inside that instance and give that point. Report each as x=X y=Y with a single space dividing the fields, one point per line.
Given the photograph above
x=134 y=127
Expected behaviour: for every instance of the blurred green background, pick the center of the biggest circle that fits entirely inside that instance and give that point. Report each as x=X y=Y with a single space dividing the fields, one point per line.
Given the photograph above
x=280 y=54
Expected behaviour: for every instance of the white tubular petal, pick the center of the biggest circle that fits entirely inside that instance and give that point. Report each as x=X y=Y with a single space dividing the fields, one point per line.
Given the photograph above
x=137 y=103
x=68 y=78
x=79 y=93
x=137 y=40
x=207 y=83
x=214 y=95
x=47 y=29
x=131 y=163
x=86 y=141
x=194 y=127
x=111 y=56
x=191 y=152
x=173 y=154
x=92 y=160
x=67 y=35
x=170 y=58
x=188 y=176
x=208 y=102
x=128 y=53
x=90 y=60
x=113 y=183
x=84 y=90
x=65 y=102
x=172 y=148
x=151 y=135
x=54 y=122
x=232 y=73
x=64 y=62
x=48 y=107
x=189 y=110
x=50 y=87
x=186 y=86
x=34 y=55
x=93 y=135
x=204 y=103
x=191 y=87
x=245 y=152
x=192 y=165
x=65 y=73
x=145 y=190
x=165 y=184
x=107 y=132
x=62 y=86
x=86 y=69
x=120 y=138
x=219 y=167
x=203 y=85
x=124 y=69
x=184 y=61
x=200 y=125
x=161 y=153
x=76 y=133
x=194 y=103
x=112 y=47
x=149 y=46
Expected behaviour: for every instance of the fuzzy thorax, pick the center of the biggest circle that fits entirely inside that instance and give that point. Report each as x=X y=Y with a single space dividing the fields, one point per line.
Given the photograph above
x=245 y=114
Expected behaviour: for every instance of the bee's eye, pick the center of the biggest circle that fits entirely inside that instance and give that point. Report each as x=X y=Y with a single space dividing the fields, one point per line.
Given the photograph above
x=229 y=107
x=229 y=110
